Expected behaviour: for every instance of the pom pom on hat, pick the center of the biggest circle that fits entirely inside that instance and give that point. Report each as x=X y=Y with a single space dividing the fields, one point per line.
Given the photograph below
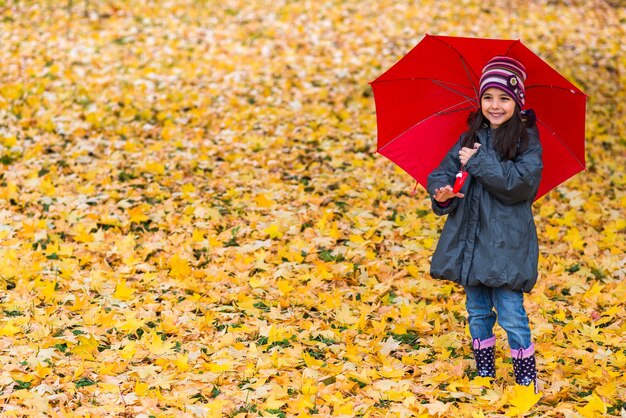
x=505 y=73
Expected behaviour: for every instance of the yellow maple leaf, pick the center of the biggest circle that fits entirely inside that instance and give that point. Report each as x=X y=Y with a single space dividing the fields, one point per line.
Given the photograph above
x=309 y=386
x=396 y=395
x=573 y=237
x=522 y=398
x=87 y=347
x=482 y=382
x=179 y=267
x=274 y=231
x=169 y=132
x=594 y=407
x=12 y=91
x=197 y=235
x=47 y=186
x=593 y=291
x=552 y=232
x=8 y=140
x=620 y=357
x=607 y=390
x=129 y=350
x=333 y=232
x=137 y=214
x=82 y=234
x=345 y=316
x=122 y=291
x=127 y=113
x=567 y=219
x=345 y=409
x=47 y=289
x=273 y=403
x=546 y=210
x=182 y=362
x=169 y=325
x=277 y=333
x=141 y=388
x=9 y=191
x=108 y=387
x=413 y=270
x=284 y=287
x=131 y=323
x=111 y=368
x=215 y=408
x=390 y=372
x=256 y=282
x=356 y=239
x=8 y=329
x=362 y=377
x=42 y=371
x=214 y=241
x=153 y=167
x=155 y=344
x=311 y=361
x=220 y=367
x=263 y=201
x=105 y=319
x=54 y=248
x=80 y=370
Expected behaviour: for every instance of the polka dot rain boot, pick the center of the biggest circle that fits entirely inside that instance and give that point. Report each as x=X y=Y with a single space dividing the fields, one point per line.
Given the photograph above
x=485 y=356
x=524 y=366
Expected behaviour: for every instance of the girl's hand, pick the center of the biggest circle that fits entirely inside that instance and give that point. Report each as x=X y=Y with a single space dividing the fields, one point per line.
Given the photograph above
x=445 y=193
x=466 y=153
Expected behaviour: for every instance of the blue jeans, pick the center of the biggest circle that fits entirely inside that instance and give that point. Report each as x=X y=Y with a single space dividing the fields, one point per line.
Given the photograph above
x=511 y=315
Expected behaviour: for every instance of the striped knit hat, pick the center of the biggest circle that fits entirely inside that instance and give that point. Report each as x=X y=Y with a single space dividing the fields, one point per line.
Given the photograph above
x=506 y=74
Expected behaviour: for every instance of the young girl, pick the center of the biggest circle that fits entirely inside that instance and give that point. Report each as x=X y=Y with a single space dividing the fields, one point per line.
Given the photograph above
x=489 y=241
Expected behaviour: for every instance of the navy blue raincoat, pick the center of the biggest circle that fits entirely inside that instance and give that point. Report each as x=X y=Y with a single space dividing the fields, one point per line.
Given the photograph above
x=490 y=236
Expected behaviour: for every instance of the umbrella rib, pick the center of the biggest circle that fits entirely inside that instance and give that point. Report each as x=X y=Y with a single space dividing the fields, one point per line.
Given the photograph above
x=517 y=41
x=444 y=84
x=469 y=77
x=542 y=85
x=416 y=78
x=466 y=67
x=447 y=110
x=546 y=86
x=441 y=112
x=554 y=133
x=441 y=84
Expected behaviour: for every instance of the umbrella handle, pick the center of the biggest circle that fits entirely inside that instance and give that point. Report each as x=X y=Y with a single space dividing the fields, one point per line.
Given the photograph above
x=461 y=176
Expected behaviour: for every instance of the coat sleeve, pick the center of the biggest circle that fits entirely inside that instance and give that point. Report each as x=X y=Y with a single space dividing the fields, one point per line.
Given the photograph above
x=510 y=181
x=442 y=176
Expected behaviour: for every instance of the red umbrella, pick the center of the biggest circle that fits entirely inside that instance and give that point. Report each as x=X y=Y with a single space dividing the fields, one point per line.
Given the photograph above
x=423 y=101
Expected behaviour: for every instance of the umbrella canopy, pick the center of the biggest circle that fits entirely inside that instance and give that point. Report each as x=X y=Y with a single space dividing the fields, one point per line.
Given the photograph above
x=423 y=101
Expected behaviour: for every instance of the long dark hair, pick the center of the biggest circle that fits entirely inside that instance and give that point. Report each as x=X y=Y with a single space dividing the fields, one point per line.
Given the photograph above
x=510 y=139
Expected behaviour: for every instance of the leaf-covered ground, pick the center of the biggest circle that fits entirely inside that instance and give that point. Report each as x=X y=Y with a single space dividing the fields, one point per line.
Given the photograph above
x=194 y=221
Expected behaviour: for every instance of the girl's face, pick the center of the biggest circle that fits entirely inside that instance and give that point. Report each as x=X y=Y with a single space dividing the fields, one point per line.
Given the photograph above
x=497 y=106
